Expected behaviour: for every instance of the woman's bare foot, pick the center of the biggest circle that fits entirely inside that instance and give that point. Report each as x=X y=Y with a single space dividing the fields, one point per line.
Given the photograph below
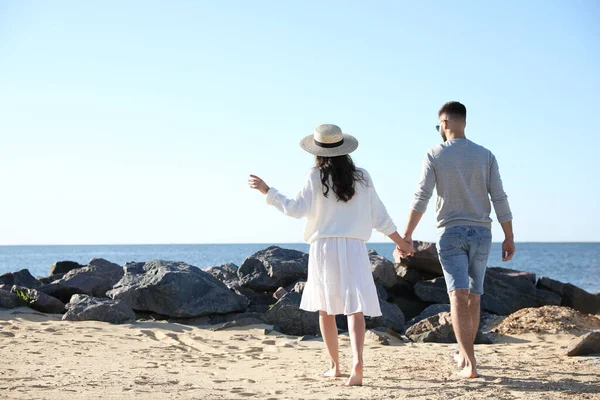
x=460 y=360
x=468 y=372
x=356 y=377
x=333 y=371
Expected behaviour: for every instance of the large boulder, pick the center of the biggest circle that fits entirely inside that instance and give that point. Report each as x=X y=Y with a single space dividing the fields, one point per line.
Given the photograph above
x=288 y=318
x=45 y=280
x=95 y=279
x=63 y=292
x=438 y=329
x=432 y=291
x=425 y=259
x=20 y=278
x=273 y=267
x=391 y=317
x=8 y=299
x=225 y=273
x=584 y=345
x=430 y=311
x=572 y=296
x=257 y=301
x=175 y=289
x=409 y=304
x=38 y=300
x=383 y=270
x=86 y=308
x=412 y=276
x=505 y=291
x=62 y=267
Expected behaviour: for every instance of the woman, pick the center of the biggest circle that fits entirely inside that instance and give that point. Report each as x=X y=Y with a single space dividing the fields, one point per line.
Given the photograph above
x=342 y=209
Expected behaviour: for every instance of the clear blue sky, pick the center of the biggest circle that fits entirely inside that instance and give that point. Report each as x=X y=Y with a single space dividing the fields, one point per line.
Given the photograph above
x=138 y=122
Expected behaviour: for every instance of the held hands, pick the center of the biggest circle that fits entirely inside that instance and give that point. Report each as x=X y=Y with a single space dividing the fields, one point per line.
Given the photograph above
x=404 y=249
x=256 y=183
x=508 y=249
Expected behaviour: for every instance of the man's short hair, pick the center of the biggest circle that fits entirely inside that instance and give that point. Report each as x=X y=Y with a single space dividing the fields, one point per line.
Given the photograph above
x=454 y=109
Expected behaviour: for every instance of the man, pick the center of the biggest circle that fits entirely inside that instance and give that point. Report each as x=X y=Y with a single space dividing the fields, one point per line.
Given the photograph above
x=466 y=175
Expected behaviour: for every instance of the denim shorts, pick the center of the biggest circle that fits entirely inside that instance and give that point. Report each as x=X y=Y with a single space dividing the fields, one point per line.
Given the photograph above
x=464 y=253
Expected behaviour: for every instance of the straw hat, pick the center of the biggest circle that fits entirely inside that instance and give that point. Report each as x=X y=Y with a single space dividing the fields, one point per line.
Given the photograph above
x=328 y=140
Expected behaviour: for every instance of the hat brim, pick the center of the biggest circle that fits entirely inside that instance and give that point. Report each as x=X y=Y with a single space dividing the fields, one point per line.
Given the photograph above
x=350 y=144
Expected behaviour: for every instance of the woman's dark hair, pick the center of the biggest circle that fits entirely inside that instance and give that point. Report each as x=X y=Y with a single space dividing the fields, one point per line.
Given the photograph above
x=343 y=174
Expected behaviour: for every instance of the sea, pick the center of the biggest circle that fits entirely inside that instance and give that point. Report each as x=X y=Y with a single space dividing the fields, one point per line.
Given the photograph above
x=576 y=263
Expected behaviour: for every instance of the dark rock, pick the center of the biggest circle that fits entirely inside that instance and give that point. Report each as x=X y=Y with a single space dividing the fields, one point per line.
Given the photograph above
x=60 y=291
x=391 y=317
x=279 y=293
x=273 y=267
x=62 y=267
x=20 y=278
x=49 y=279
x=382 y=293
x=254 y=298
x=505 y=291
x=95 y=279
x=9 y=300
x=86 y=308
x=39 y=301
x=383 y=270
x=584 y=345
x=388 y=332
x=432 y=291
x=5 y=287
x=430 y=311
x=425 y=259
x=225 y=273
x=572 y=296
x=412 y=276
x=290 y=319
x=175 y=289
x=377 y=337
x=409 y=304
x=438 y=329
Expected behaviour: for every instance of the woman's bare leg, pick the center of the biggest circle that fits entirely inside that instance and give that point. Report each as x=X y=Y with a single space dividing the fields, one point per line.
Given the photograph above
x=330 y=338
x=356 y=326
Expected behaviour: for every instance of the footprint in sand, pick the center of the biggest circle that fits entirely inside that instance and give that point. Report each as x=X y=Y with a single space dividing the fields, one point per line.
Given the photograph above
x=254 y=350
x=150 y=334
x=268 y=342
x=7 y=334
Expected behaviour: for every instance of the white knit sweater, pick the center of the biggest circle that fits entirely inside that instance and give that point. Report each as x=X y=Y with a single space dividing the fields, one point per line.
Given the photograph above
x=328 y=217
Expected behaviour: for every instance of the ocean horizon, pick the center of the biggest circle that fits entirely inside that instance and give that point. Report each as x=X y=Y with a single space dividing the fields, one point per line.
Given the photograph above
x=573 y=262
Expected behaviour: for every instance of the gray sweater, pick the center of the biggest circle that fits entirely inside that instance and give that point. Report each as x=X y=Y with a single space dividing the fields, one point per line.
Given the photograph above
x=466 y=176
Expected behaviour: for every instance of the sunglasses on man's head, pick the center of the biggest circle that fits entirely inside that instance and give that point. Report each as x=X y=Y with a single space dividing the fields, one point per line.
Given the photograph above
x=437 y=128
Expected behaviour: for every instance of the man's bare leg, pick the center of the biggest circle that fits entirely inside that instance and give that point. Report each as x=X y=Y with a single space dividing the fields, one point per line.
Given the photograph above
x=463 y=329
x=356 y=326
x=475 y=311
x=330 y=337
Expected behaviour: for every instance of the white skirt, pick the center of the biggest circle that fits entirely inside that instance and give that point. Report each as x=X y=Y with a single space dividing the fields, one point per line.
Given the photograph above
x=340 y=279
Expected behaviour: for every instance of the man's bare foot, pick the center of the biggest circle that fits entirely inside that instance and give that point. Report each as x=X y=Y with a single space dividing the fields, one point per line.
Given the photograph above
x=468 y=372
x=356 y=377
x=460 y=360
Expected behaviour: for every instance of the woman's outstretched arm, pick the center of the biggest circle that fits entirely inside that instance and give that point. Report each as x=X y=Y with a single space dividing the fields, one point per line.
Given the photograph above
x=296 y=208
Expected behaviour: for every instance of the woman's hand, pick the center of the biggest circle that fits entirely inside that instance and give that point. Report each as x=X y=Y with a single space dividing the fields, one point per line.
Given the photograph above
x=256 y=183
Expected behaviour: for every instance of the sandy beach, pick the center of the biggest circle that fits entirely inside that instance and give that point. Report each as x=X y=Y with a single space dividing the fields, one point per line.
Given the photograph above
x=46 y=358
